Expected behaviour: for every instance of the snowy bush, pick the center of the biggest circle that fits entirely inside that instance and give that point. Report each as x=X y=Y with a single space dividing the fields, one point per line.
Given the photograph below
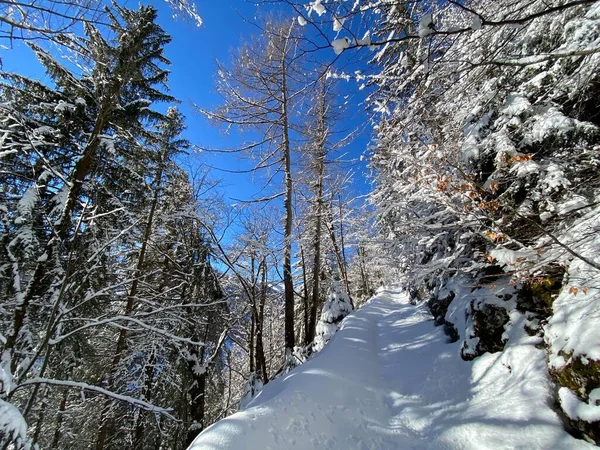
x=13 y=428
x=253 y=386
x=336 y=307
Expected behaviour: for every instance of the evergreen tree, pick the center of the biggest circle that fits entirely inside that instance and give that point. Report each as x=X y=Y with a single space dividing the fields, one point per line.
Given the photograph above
x=336 y=307
x=79 y=170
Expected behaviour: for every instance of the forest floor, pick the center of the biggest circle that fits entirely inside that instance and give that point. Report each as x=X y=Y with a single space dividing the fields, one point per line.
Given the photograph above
x=389 y=379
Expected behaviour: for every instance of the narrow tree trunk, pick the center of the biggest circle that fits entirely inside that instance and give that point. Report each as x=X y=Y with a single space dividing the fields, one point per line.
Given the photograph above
x=343 y=249
x=316 y=274
x=197 y=391
x=288 y=282
x=336 y=248
x=251 y=337
x=39 y=423
x=59 y=421
x=363 y=273
x=316 y=269
x=261 y=364
x=158 y=442
x=306 y=299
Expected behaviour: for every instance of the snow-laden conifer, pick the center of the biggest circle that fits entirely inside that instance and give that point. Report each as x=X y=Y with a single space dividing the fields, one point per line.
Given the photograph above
x=336 y=307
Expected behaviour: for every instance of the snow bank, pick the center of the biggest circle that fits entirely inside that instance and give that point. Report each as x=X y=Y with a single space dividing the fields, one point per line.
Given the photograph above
x=572 y=330
x=578 y=410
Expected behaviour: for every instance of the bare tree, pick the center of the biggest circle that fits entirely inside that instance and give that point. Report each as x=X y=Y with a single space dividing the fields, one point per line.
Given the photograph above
x=29 y=20
x=258 y=90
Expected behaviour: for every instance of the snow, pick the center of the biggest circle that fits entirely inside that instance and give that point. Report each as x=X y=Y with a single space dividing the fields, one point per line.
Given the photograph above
x=253 y=386
x=339 y=45
x=471 y=147
x=62 y=107
x=477 y=23
x=578 y=410
x=28 y=202
x=516 y=105
x=380 y=107
x=7 y=152
x=185 y=9
x=389 y=379
x=366 y=39
x=6 y=378
x=525 y=168
x=338 y=24
x=555 y=179
x=426 y=25
x=573 y=328
x=337 y=304
x=573 y=204
x=509 y=257
x=550 y=123
x=317 y=7
x=302 y=21
x=12 y=426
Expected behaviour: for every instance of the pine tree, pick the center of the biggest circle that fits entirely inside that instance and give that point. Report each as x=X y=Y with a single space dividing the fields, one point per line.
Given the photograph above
x=80 y=172
x=336 y=307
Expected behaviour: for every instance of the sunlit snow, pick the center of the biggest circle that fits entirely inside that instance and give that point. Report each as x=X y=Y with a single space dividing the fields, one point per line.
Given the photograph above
x=389 y=379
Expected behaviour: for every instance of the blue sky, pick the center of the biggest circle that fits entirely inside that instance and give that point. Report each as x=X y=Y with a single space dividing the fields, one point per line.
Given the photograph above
x=193 y=52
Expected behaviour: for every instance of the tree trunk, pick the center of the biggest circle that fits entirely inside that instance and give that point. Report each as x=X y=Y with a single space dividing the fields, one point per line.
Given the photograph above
x=306 y=299
x=363 y=274
x=261 y=364
x=288 y=282
x=316 y=269
x=251 y=337
x=197 y=391
x=336 y=248
x=39 y=423
x=197 y=407
x=59 y=420
x=344 y=262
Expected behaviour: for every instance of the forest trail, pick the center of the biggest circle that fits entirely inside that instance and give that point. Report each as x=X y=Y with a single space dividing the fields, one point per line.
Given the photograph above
x=389 y=379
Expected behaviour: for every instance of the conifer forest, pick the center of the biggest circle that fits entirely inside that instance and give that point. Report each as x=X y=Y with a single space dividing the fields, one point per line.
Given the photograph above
x=350 y=224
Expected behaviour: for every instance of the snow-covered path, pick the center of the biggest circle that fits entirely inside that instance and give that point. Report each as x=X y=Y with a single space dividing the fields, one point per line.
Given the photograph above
x=390 y=380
